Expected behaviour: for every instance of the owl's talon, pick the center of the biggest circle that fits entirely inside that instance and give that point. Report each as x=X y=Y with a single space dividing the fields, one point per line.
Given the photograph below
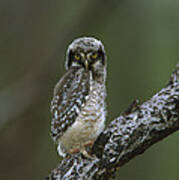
x=74 y=151
x=89 y=143
x=87 y=155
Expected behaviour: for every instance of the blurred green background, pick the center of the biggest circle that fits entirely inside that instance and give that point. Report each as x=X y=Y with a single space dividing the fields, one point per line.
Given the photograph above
x=141 y=38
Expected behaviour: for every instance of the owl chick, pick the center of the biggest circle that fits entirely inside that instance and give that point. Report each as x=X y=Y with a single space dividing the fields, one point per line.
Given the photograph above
x=78 y=105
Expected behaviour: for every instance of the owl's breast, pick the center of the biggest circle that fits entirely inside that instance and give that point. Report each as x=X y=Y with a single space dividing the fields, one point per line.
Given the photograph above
x=90 y=120
x=93 y=114
x=94 y=108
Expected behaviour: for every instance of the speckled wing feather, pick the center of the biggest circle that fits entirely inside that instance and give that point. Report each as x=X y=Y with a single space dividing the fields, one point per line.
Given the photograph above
x=69 y=96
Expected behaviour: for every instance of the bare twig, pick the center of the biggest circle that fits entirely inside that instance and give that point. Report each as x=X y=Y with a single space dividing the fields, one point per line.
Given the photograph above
x=127 y=136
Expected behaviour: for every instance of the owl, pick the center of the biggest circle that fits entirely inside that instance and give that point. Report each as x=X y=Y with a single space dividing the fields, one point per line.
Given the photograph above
x=78 y=104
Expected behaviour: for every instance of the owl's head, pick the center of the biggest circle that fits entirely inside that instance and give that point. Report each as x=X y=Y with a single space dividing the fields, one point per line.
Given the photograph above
x=86 y=52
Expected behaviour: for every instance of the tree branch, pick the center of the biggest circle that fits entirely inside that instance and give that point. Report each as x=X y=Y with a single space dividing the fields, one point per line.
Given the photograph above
x=127 y=136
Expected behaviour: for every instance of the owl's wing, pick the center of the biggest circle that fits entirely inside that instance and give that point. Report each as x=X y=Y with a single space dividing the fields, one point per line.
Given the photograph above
x=69 y=97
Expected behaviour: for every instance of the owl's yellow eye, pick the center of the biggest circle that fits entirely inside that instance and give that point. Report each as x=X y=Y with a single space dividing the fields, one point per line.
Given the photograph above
x=77 y=57
x=94 y=55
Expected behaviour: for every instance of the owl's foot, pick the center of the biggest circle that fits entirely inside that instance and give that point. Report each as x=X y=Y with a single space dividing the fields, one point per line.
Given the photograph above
x=84 y=152
x=89 y=144
x=88 y=155
x=74 y=151
x=87 y=149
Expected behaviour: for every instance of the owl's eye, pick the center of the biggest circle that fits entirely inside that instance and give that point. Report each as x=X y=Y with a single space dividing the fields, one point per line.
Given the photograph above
x=94 y=55
x=77 y=57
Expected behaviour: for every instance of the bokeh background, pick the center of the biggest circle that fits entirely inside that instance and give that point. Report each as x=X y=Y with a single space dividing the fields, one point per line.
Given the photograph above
x=141 y=38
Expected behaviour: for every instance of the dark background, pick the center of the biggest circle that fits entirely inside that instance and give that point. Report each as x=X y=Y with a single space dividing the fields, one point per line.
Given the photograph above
x=141 y=38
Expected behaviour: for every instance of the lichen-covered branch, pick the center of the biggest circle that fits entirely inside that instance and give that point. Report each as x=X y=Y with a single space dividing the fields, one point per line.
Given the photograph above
x=127 y=136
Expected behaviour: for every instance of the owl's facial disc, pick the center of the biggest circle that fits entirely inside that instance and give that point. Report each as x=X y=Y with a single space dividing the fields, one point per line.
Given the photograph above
x=87 y=60
x=86 y=53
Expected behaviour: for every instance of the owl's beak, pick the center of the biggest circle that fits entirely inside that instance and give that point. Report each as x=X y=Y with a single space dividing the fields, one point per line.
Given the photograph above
x=86 y=64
